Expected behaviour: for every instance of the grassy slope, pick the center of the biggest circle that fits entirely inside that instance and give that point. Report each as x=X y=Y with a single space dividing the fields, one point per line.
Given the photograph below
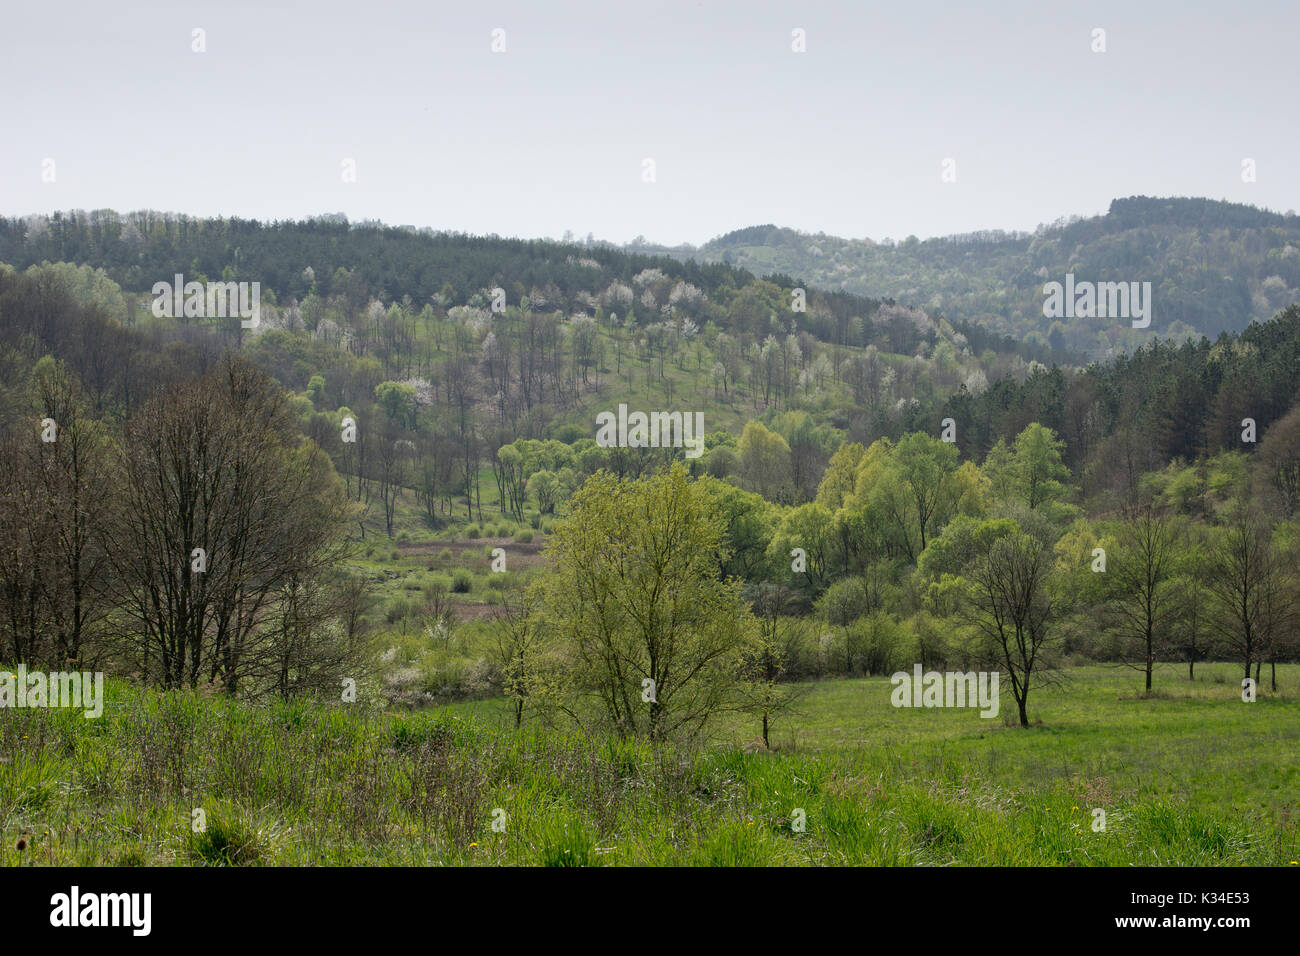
x=1190 y=776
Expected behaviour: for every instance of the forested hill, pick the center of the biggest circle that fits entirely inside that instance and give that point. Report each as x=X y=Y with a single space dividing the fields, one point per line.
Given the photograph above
x=353 y=264
x=1213 y=267
x=359 y=260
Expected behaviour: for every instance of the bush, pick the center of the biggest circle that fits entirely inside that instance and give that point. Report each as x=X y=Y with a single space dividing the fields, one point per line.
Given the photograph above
x=473 y=531
x=844 y=601
x=524 y=537
x=570 y=433
x=877 y=644
x=462 y=582
x=398 y=610
x=721 y=462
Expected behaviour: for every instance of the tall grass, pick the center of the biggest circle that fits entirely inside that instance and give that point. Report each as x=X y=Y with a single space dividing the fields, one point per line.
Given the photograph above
x=306 y=783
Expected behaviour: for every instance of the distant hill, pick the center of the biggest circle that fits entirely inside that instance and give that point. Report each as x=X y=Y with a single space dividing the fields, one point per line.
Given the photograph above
x=1214 y=266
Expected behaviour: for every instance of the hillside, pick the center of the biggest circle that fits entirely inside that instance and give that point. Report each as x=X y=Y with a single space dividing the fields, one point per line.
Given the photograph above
x=1214 y=266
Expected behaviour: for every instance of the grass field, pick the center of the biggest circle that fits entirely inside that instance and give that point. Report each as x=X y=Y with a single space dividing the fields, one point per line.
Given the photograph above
x=1188 y=776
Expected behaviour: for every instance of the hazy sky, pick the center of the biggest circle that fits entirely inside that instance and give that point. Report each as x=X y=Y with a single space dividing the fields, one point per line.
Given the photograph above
x=847 y=138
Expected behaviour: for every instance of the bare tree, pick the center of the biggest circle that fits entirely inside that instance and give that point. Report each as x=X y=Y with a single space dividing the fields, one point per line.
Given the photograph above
x=24 y=543
x=52 y=523
x=390 y=467
x=765 y=665
x=1009 y=603
x=1243 y=576
x=517 y=636
x=1142 y=603
x=1190 y=617
x=224 y=512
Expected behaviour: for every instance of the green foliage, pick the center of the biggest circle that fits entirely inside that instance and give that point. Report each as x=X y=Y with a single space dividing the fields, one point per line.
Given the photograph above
x=1209 y=260
x=634 y=594
x=324 y=784
x=962 y=542
x=765 y=464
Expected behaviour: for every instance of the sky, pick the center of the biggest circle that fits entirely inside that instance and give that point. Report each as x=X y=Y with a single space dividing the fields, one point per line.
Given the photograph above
x=110 y=106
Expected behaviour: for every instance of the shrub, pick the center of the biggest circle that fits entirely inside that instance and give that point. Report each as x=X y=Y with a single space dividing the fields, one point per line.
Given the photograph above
x=844 y=601
x=398 y=610
x=462 y=582
x=878 y=644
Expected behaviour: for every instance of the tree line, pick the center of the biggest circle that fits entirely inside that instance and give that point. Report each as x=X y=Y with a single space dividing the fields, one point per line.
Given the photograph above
x=196 y=543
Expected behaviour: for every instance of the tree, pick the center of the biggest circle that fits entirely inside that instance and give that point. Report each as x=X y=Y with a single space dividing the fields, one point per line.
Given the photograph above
x=1008 y=601
x=24 y=547
x=1277 y=462
x=546 y=488
x=1037 y=466
x=919 y=489
x=1243 y=578
x=428 y=488
x=999 y=466
x=961 y=544
x=768 y=660
x=53 y=523
x=517 y=634
x=1190 y=617
x=764 y=461
x=1143 y=603
x=312 y=640
x=840 y=476
x=810 y=528
x=645 y=636
x=397 y=399
x=748 y=519
x=74 y=470
x=224 y=513
x=391 y=458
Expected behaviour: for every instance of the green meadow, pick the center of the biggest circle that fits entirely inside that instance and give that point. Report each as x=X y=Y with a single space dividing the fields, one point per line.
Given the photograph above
x=1189 y=775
